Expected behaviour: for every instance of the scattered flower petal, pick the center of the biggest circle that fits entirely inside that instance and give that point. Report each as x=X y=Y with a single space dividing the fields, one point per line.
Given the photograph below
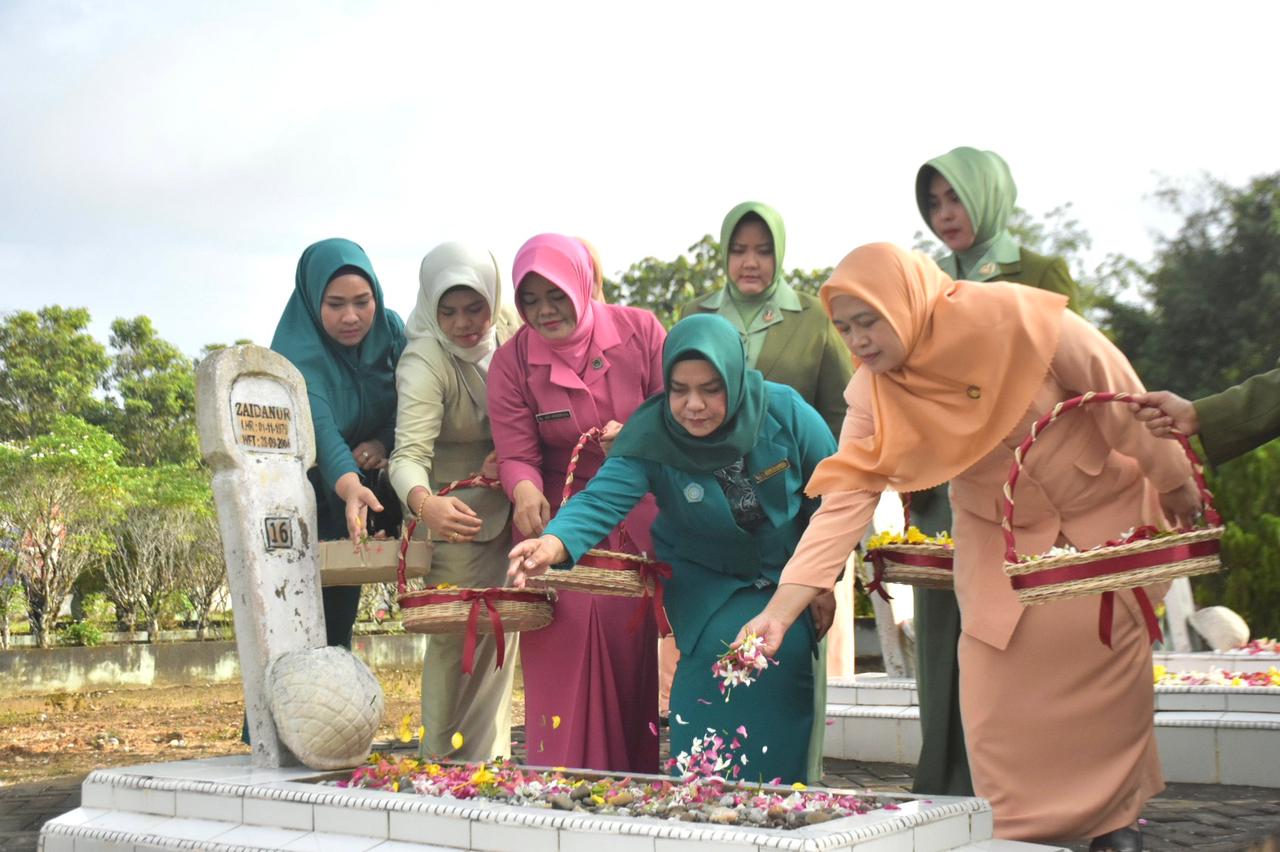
x=555 y=722
x=653 y=729
x=456 y=739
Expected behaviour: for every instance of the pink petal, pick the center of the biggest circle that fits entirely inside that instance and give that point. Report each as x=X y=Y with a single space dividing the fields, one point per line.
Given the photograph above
x=653 y=729
x=742 y=729
x=703 y=701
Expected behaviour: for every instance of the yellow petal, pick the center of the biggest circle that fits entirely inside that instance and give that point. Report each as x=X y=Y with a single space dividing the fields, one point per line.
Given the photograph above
x=457 y=739
x=555 y=722
x=798 y=786
x=422 y=731
x=405 y=734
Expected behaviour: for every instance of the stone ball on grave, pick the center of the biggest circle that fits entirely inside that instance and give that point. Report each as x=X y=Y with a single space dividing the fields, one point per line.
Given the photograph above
x=326 y=704
x=1221 y=628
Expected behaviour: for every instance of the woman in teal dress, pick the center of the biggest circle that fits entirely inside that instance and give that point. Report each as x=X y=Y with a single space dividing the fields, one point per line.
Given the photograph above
x=726 y=454
x=337 y=332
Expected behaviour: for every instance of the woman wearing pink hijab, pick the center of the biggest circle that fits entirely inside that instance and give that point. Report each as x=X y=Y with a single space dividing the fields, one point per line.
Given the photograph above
x=591 y=677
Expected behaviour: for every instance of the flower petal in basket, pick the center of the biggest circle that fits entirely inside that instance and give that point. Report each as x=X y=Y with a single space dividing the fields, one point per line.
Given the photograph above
x=1148 y=557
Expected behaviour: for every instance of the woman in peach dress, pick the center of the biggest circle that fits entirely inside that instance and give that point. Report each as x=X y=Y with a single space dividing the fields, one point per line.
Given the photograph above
x=951 y=375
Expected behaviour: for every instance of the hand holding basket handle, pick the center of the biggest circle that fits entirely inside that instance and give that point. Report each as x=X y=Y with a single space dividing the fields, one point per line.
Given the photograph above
x=1145 y=558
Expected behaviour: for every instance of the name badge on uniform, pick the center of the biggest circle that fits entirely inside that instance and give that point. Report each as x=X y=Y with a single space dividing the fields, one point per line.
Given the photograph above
x=773 y=470
x=693 y=492
x=551 y=415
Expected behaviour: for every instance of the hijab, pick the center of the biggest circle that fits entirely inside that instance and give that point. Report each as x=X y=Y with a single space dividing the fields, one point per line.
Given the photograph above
x=446 y=266
x=985 y=187
x=652 y=432
x=565 y=263
x=749 y=305
x=976 y=355
x=329 y=368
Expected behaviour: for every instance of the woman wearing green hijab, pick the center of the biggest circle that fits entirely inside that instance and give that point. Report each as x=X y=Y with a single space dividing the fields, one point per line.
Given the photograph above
x=967 y=197
x=786 y=333
x=337 y=332
x=727 y=455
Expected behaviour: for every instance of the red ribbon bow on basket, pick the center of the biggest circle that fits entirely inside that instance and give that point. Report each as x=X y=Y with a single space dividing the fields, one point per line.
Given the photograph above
x=1120 y=564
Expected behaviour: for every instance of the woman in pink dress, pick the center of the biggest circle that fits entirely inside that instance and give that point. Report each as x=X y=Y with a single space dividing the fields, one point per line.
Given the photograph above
x=591 y=677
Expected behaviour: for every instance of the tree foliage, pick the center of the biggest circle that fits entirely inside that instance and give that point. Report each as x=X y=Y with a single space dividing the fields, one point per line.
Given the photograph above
x=156 y=390
x=60 y=493
x=49 y=365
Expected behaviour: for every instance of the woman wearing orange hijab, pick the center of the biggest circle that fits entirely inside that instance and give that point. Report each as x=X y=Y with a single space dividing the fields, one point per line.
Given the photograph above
x=951 y=376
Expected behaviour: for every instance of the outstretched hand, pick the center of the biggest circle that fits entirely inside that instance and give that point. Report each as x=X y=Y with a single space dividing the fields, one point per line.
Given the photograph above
x=1164 y=412
x=533 y=556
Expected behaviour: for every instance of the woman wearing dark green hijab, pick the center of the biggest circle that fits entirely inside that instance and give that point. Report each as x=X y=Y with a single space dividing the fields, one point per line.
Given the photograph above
x=726 y=454
x=967 y=197
x=337 y=332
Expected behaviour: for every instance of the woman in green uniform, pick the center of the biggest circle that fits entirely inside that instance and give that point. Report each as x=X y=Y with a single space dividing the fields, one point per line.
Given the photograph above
x=726 y=454
x=967 y=197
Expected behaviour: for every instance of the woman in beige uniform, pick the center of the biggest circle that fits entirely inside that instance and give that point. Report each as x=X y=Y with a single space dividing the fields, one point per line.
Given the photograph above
x=442 y=435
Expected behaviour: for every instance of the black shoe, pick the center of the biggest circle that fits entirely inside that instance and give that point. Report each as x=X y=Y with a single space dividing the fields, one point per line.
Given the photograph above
x=1120 y=840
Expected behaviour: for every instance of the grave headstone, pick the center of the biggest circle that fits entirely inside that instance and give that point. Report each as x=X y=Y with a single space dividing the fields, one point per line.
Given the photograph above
x=255 y=433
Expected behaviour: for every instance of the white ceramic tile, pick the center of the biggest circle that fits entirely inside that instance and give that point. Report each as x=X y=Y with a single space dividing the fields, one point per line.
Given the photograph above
x=1207 y=718
x=1249 y=757
x=982 y=825
x=447 y=831
x=400 y=846
x=126 y=821
x=896 y=697
x=94 y=844
x=143 y=800
x=336 y=819
x=56 y=843
x=261 y=836
x=1191 y=701
x=910 y=741
x=664 y=844
x=193 y=829
x=96 y=795
x=496 y=837
x=942 y=835
x=79 y=816
x=273 y=812
x=842 y=695
x=1188 y=755
x=318 y=841
x=871 y=739
x=1252 y=717
x=209 y=806
x=591 y=841
x=1259 y=703
x=900 y=842
x=1009 y=846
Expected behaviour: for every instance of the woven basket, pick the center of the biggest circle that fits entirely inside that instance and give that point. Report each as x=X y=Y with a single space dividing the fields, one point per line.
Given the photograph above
x=1114 y=566
x=603 y=572
x=460 y=610
x=928 y=566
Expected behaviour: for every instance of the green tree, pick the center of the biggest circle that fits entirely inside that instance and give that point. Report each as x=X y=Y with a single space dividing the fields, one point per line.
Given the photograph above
x=155 y=383
x=49 y=366
x=156 y=541
x=60 y=493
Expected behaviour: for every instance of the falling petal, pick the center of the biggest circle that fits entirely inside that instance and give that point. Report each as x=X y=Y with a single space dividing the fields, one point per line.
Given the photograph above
x=744 y=760
x=653 y=729
x=830 y=722
x=457 y=739
x=422 y=732
x=542 y=746
x=764 y=749
x=680 y=720
x=406 y=733
x=555 y=722
x=742 y=729
x=703 y=701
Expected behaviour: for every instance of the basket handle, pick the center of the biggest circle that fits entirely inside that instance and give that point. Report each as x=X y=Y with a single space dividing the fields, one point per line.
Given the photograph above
x=476 y=480
x=592 y=434
x=1020 y=454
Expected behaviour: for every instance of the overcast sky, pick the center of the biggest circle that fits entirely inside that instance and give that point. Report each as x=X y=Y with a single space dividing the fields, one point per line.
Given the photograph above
x=174 y=158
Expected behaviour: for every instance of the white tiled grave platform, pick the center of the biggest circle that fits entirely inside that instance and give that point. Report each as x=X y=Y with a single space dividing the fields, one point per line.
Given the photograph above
x=225 y=805
x=1206 y=734
x=1202 y=661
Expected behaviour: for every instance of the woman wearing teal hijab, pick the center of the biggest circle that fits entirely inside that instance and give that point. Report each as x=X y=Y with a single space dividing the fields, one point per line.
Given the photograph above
x=726 y=454
x=337 y=332
x=967 y=197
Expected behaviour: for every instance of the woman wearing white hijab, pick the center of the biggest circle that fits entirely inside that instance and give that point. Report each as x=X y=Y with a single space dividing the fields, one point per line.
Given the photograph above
x=442 y=435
